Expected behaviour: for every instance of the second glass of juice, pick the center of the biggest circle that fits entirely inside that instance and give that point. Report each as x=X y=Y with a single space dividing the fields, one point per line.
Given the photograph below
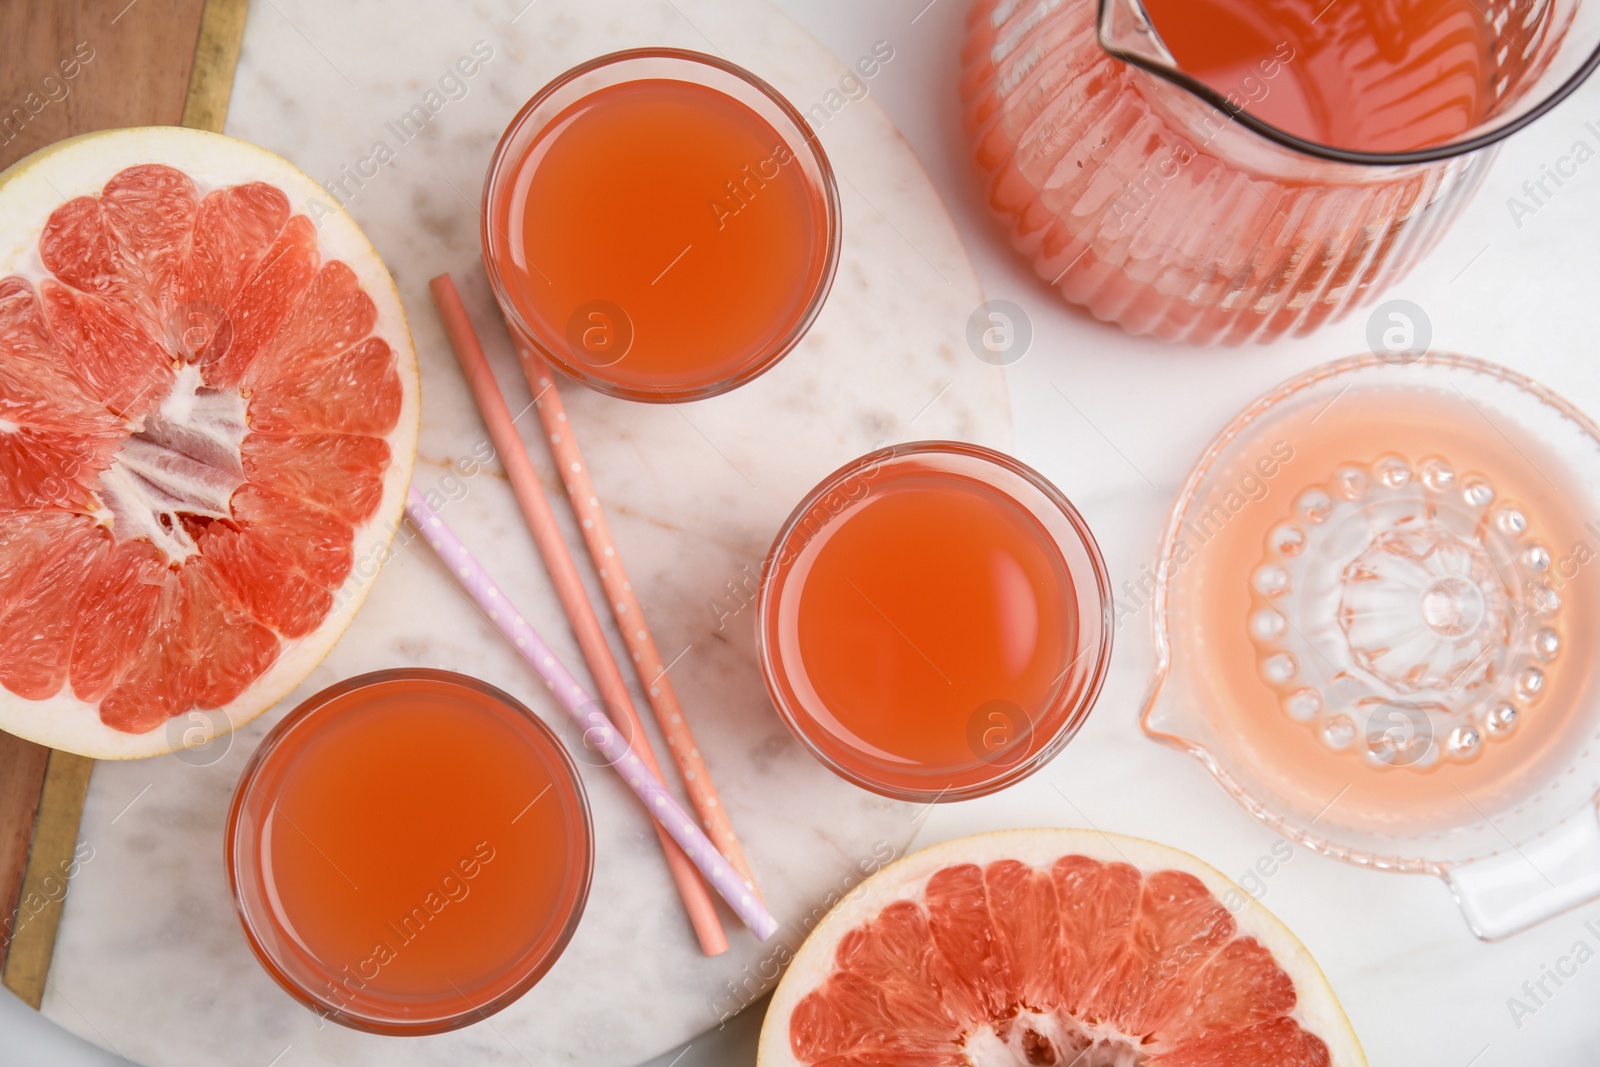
x=661 y=225
x=935 y=621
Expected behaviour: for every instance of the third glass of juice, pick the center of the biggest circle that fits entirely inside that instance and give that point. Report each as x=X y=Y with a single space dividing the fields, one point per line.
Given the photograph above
x=660 y=224
x=410 y=851
x=935 y=621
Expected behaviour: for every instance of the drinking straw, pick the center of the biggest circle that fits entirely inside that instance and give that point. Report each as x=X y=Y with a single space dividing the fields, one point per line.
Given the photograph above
x=569 y=587
x=599 y=731
x=626 y=610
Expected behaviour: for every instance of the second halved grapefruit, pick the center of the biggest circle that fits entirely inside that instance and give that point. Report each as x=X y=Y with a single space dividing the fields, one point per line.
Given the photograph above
x=1053 y=948
x=208 y=417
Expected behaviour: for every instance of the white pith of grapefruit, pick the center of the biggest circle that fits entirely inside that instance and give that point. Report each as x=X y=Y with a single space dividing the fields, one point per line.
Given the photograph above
x=858 y=994
x=210 y=393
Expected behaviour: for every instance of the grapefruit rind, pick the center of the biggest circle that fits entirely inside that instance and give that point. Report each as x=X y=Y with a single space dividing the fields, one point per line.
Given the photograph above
x=34 y=187
x=1317 y=1009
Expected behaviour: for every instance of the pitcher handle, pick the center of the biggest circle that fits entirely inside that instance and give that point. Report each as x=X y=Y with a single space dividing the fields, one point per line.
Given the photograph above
x=1507 y=893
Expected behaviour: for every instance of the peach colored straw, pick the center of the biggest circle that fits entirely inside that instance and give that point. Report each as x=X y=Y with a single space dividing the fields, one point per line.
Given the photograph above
x=625 y=609
x=569 y=588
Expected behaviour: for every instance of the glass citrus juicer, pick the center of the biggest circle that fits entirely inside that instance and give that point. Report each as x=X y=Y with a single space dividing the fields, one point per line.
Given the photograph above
x=1376 y=621
x=1231 y=170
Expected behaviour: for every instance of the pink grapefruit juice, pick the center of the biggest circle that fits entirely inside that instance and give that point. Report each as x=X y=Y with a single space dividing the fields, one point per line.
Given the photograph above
x=923 y=621
x=409 y=850
x=662 y=238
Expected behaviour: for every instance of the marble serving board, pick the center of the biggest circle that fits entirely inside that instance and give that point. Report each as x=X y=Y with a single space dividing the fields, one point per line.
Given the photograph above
x=151 y=962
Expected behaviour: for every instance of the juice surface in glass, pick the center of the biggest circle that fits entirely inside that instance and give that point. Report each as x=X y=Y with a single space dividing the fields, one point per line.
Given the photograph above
x=923 y=627
x=662 y=239
x=410 y=852
x=1154 y=209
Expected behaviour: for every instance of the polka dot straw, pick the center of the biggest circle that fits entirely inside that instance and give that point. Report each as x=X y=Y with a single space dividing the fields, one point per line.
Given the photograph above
x=625 y=609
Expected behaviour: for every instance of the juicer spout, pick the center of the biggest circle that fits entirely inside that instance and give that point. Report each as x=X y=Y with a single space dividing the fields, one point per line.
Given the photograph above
x=1171 y=714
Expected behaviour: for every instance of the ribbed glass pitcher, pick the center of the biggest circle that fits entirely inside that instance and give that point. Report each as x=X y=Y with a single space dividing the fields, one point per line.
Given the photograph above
x=1265 y=195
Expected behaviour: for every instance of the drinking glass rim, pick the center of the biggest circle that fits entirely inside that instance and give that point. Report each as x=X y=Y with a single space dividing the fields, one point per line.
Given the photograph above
x=1090 y=692
x=264 y=752
x=829 y=190
x=1330 y=153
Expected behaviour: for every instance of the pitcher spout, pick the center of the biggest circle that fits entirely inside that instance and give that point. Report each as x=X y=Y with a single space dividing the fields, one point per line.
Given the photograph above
x=1126 y=32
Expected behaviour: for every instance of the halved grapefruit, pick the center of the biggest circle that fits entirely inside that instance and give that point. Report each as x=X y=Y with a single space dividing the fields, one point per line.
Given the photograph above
x=1053 y=948
x=208 y=417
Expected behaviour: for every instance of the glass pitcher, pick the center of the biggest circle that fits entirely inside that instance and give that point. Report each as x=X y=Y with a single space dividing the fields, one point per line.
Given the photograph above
x=1236 y=204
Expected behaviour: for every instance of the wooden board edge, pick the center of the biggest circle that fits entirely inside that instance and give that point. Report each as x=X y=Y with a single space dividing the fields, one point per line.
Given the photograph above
x=53 y=852
x=216 y=57
x=23 y=766
x=53 y=858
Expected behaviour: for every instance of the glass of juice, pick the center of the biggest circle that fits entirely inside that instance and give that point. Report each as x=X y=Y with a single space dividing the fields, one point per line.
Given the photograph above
x=935 y=621
x=409 y=851
x=1238 y=170
x=661 y=225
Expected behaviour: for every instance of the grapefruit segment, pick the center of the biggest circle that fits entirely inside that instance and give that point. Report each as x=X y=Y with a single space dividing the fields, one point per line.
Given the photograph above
x=313 y=542
x=121 y=596
x=1027 y=918
x=1096 y=902
x=233 y=230
x=1279 y=1043
x=202 y=649
x=878 y=1001
x=54 y=437
x=333 y=315
x=290 y=604
x=339 y=473
x=117 y=356
x=125 y=243
x=79 y=248
x=259 y=311
x=227 y=647
x=1239 y=987
x=963 y=930
x=280 y=558
x=150 y=211
x=896 y=952
x=1053 y=948
x=1178 y=928
x=353 y=391
x=208 y=403
x=35 y=633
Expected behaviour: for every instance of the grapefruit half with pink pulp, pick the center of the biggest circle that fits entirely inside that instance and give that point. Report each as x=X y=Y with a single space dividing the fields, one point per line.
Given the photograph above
x=1053 y=948
x=208 y=418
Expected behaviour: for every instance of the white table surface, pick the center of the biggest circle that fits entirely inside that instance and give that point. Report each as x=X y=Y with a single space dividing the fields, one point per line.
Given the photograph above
x=1418 y=987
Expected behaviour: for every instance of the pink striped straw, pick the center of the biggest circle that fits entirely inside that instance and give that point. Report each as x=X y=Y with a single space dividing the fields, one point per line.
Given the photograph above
x=625 y=608
x=598 y=729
